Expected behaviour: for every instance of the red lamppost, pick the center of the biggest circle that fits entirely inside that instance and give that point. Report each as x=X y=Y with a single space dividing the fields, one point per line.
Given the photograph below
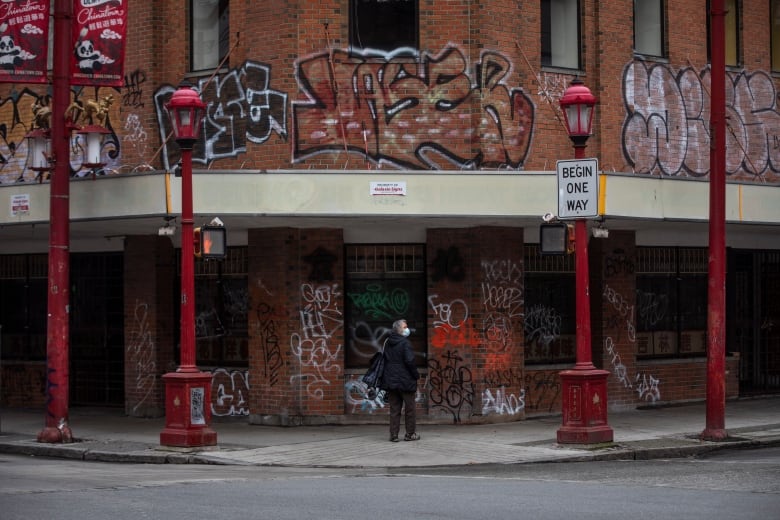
x=50 y=151
x=187 y=391
x=585 y=386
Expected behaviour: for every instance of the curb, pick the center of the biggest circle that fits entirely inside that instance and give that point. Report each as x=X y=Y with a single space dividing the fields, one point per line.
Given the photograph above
x=145 y=454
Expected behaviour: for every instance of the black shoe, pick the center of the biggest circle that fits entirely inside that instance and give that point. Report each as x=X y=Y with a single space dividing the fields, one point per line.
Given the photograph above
x=412 y=437
x=394 y=438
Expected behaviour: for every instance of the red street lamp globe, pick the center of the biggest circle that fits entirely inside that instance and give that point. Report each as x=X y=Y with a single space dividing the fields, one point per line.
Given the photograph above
x=577 y=104
x=186 y=112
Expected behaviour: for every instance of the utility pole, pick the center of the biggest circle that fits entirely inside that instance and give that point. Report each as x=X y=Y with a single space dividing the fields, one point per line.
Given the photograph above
x=716 y=282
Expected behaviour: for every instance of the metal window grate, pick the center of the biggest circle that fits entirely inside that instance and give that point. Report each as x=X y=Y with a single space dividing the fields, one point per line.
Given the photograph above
x=535 y=262
x=385 y=258
x=24 y=266
x=672 y=260
x=236 y=262
x=693 y=260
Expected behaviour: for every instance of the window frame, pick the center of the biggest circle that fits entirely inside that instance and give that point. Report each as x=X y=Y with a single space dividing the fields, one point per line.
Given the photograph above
x=547 y=35
x=550 y=340
x=384 y=268
x=774 y=35
x=735 y=47
x=197 y=60
x=682 y=272
x=356 y=36
x=640 y=27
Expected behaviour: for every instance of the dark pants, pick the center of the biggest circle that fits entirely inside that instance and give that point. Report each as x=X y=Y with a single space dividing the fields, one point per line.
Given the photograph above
x=397 y=399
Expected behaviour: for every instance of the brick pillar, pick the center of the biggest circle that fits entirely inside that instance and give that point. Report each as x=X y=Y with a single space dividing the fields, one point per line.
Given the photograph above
x=613 y=312
x=452 y=333
x=149 y=280
x=499 y=315
x=296 y=337
x=475 y=287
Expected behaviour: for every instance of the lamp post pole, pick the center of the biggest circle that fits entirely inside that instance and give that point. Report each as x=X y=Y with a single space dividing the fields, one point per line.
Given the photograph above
x=584 y=399
x=56 y=427
x=188 y=390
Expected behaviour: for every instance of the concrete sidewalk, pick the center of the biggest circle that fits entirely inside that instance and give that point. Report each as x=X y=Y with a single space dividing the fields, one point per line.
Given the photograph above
x=668 y=432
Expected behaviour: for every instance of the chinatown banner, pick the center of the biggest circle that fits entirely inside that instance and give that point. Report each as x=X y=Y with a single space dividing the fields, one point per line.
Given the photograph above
x=24 y=41
x=99 y=29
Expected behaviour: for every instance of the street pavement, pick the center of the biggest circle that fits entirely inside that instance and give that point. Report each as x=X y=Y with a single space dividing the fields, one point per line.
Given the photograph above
x=649 y=433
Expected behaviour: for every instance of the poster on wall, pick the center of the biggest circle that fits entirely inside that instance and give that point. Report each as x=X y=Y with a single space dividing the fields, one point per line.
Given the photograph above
x=24 y=41
x=99 y=29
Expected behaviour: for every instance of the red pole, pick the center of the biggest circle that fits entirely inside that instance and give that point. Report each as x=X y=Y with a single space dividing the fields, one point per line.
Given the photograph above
x=582 y=274
x=57 y=327
x=584 y=388
x=187 y=361
x=716 y=285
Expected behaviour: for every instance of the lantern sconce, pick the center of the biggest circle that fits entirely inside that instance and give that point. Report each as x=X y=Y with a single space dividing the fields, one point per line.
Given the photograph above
x=40 y=158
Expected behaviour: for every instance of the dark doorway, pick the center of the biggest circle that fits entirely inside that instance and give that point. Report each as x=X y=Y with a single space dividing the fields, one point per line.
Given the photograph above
x=97 y=330
x=753 y=326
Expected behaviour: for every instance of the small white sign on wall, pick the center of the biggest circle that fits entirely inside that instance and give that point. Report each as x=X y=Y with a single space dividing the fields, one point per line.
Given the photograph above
x=20 y=204
x=388 y=188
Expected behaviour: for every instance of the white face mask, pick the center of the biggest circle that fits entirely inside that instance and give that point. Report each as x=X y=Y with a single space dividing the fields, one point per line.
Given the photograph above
x=406 y=332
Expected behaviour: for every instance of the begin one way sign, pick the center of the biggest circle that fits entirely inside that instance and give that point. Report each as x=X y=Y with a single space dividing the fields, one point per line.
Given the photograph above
x=578 y=188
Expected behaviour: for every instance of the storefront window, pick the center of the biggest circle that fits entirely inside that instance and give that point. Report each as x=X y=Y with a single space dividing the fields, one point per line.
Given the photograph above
x=671 y=302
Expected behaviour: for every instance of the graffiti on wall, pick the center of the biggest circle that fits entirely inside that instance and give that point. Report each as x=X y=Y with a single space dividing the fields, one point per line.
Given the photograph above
x=268 y=337
x=379 y=302
x=502 y=402
x=241 y=107
x=405 y=108
x=229 y=392
x=132 y=92
x=502 y=299
x=451 y=385
x=542 y=326
x=666 y=130
x=357 y=400
x=321 y=318
x=543 y=390
x=142 y=356
x=619 y=314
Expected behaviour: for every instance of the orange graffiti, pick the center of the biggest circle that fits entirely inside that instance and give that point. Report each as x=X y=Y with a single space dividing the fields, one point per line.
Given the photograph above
x=444 y=335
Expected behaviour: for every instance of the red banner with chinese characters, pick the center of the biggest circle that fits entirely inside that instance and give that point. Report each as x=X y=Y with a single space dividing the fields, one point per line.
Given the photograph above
x=99 y=29
x=24 y=41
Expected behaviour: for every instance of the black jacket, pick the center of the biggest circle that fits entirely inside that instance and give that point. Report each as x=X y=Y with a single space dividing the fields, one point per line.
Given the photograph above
x=400 y=371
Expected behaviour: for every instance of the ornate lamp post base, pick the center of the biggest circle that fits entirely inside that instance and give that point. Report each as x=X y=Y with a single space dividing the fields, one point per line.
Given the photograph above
x=187 y=410
x=584 y=407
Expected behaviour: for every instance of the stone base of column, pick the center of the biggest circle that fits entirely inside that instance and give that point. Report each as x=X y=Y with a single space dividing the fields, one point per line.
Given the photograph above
x=584 y=407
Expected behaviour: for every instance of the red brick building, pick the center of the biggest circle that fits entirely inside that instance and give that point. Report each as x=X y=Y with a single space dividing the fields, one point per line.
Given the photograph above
x=382 y=160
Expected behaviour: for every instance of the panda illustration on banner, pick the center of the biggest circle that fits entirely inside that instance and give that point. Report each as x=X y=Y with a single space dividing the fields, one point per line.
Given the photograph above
x=89 y=59
x=11 y=54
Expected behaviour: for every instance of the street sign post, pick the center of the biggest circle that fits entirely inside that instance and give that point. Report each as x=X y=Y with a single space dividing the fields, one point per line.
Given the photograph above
x=578 y=188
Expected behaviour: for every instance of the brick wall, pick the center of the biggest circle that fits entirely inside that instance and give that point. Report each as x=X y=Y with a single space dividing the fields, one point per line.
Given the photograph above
x=149 y=274
x=296 y=354
x=475 y=287
x=613 y=313
x=24 y=384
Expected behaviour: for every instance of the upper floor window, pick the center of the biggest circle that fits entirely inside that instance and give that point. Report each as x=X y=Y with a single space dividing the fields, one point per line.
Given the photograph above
x=774 y=20
x=561 y=33
x=649 y=27
x=731 y=31
x=210 y=33
x=383 y=24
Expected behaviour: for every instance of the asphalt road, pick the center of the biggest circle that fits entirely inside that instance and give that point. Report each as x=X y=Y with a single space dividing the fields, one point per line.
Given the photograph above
x=729 y=484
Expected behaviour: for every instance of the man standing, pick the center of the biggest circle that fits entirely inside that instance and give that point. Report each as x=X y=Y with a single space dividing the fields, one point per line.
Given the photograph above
x=400 y=381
